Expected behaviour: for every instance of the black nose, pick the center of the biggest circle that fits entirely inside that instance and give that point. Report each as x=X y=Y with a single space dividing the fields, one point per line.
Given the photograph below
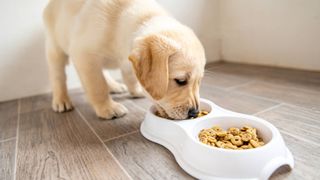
x=193 y=112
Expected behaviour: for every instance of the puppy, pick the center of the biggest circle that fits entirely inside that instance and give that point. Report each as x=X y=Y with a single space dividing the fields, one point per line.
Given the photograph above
x=166 y=57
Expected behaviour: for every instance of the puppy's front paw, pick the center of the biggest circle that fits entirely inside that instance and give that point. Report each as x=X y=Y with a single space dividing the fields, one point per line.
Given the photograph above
x=118 y=88
x=137 y=93
x=111 y=110
x=61 y=105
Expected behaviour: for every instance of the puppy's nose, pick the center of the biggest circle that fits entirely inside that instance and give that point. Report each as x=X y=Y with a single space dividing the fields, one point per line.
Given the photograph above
x=193 y=112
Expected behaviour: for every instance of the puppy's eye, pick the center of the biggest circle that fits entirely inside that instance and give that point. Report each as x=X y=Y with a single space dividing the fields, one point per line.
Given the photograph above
x=181 y=82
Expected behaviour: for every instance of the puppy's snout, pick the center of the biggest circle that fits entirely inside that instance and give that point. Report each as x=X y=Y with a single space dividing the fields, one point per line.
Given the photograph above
x=193 y=112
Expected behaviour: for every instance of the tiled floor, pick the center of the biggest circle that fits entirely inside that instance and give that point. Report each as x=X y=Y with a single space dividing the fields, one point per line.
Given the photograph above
x=36 y=143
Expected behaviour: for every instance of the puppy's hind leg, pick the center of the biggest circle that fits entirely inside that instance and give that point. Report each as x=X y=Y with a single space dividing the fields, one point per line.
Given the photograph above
x=57 y=61
x=131 y=81
x=114 y=86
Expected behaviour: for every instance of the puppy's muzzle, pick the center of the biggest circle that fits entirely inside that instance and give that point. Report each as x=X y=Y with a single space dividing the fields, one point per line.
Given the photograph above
x=193 y=112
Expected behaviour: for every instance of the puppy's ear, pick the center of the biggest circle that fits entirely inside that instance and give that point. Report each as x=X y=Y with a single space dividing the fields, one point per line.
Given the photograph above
x=150 y=58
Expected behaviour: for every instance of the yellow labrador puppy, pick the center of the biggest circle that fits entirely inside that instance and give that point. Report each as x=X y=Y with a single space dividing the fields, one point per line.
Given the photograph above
x=167 y=58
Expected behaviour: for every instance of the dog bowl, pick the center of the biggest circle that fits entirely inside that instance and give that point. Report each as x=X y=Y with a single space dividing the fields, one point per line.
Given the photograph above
x=206 y=162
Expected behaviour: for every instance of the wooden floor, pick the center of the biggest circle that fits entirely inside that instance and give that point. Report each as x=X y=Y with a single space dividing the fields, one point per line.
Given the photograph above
x=36 y=143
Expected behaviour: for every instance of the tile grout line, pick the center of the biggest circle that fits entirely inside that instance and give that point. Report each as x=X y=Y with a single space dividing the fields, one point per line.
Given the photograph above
x=240 y=85
x=294 y=88
x=105 y=146
x=141 y=108
x=268 y=99
x=271 y=83
x=295 y=106
x=209 y=72
x=286 y=104
x=282 y=86
x=215 y=66
x=282 y=131
x=17 y=140
x=297 y=137
x=233 y=89
x=268 y=109
x=255 y=96
x=245 y=94
x=213 y=87
x=8 y=139
x=120 y=136
x=129 y=133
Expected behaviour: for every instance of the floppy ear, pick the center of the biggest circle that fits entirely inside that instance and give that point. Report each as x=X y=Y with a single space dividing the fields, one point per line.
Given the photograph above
x=150 y=59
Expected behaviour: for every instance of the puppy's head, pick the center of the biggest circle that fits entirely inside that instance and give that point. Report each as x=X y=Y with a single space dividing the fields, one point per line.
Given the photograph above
x=170 y=70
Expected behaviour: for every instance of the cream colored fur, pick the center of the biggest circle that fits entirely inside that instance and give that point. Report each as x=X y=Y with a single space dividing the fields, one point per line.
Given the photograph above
x=99 y=34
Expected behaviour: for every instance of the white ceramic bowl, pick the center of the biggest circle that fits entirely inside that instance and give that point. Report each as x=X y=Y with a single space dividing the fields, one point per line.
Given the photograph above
x=205 y=162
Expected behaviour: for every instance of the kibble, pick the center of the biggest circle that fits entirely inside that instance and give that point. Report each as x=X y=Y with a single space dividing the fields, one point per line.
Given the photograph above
x=233 y=138
x=202 y=113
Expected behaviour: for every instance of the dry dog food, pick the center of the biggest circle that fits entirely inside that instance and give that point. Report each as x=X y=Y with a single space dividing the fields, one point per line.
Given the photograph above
x=233 y=138
x=202 y=113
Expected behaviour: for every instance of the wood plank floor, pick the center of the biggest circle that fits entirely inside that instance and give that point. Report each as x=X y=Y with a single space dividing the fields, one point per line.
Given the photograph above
x=36 y=143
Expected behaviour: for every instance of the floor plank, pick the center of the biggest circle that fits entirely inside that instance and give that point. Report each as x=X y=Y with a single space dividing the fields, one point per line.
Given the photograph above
x=235 y=101
x=213 y=65
x=307 y=161
x=304 y=80
x=300 y=128
x=8 y=119
x=7 y=153
x=302 y=112
x=224 y=80
x=300 y=97
x=35 y=103
x=302 y=123
x=307 y=80
x=241 y=70
x=145 y=160
x=293 y=75
x=144 y=103
x=62 y=146
x=107 y=129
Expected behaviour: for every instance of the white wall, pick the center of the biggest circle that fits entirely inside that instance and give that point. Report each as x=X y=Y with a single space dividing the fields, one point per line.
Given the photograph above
x=203 y=17
x=23 y=69
x=272 y=32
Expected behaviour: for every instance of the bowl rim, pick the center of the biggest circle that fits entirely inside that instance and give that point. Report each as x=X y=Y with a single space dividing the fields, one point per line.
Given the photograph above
x=152 y=109
x=272 y=139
